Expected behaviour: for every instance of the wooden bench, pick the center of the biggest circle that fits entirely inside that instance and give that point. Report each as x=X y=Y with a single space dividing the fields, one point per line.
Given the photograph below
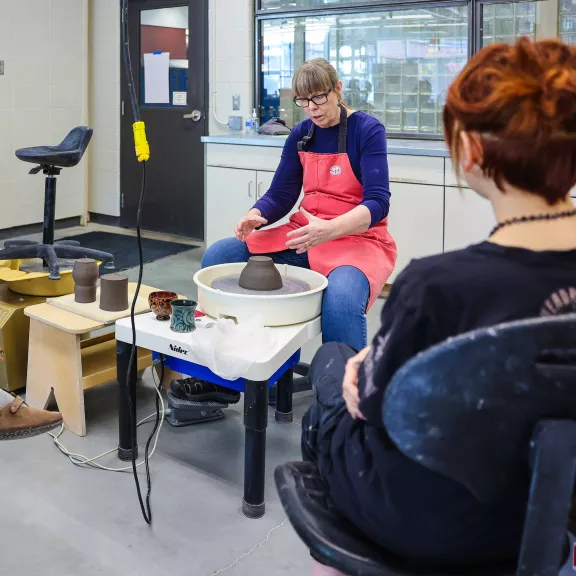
x=65 y=358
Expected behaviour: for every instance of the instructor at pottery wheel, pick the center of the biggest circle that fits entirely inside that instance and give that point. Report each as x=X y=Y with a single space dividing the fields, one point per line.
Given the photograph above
x=339 y=156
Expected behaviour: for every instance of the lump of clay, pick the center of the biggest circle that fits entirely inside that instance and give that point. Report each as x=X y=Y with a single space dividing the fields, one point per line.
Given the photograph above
x=114 y=292
x=85 y=274
x=260 y=274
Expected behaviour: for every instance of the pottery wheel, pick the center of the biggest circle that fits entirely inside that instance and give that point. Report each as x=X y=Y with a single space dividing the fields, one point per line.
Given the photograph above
x=230 y=284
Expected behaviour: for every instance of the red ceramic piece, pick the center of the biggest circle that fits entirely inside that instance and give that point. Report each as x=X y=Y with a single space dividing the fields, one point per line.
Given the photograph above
x=160 y=303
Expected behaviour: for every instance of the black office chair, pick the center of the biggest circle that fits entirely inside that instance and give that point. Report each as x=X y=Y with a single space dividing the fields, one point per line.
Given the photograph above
x=473 y=408
x=50 y=160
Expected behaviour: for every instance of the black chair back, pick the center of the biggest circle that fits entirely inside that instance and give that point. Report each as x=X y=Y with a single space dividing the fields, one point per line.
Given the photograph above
x=468 y=407
x=492 y=404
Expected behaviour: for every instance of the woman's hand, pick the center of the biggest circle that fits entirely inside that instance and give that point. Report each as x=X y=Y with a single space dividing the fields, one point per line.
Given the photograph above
x=350 y=384
x=248 y=224
x=316 y=232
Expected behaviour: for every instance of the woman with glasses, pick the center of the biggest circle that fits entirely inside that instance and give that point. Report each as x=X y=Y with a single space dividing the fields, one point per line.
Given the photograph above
x=339 y=157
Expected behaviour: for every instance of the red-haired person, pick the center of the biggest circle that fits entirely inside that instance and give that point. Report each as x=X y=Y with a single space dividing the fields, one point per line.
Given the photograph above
x=510 y=124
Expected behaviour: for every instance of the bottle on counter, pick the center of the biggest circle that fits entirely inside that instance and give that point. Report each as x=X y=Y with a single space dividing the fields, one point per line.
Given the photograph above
x=255 y=121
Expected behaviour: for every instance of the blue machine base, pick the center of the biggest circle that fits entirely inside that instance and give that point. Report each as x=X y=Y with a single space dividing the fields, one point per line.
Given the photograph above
x=203 y=373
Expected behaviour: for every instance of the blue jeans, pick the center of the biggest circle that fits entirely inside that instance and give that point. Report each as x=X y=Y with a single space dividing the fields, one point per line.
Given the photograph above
x=344 y=302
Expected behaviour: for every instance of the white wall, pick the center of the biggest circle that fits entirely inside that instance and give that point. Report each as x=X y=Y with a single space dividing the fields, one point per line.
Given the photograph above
x=176 y=17
x=42 y=97
x=231 y=72
x=104 y=22
x=232 y=59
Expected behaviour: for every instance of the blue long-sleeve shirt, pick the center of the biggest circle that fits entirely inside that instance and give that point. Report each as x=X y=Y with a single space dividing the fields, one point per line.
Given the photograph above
x=366 y=148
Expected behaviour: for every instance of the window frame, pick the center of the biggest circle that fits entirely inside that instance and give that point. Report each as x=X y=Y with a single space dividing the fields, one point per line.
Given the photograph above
x=367 y=6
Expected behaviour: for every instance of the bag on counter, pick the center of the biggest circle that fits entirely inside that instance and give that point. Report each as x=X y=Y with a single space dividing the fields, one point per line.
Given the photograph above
x=274 y=127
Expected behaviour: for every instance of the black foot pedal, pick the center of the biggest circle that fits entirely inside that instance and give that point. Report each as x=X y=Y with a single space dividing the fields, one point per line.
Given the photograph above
x=186 y=412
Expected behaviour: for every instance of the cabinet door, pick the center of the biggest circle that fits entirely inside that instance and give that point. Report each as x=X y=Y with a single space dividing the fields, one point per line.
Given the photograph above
x=230 y=193
x=469 y=218
x=264 y=183
x=416 y=221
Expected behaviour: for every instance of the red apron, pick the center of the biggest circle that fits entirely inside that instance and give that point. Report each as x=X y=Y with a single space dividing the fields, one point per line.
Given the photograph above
x=330 y=190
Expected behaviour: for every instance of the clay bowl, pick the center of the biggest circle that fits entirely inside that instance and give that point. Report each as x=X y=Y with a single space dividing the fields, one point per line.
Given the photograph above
x=260 y=274
x=160 y=303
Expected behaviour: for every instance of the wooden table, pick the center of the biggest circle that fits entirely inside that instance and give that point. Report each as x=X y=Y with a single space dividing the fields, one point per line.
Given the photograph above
x=65 y=357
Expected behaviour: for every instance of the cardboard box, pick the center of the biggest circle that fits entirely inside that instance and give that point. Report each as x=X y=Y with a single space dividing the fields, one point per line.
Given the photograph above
x=14 y=332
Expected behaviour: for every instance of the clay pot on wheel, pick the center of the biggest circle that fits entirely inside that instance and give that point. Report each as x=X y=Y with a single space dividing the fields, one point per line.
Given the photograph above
x=260 y=274
x=114 y=292
x=85 y=274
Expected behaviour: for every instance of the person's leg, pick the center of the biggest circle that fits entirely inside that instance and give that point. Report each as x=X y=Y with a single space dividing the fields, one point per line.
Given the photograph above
x=18 y=421
x=326 y=374
x=321 y=570
x=227 y=251
x=344 y=307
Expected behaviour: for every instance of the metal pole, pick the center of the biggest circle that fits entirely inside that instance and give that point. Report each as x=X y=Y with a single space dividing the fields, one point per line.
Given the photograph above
x=125 y=388
x=255 y=423
x=49 y=210
x=284 y=398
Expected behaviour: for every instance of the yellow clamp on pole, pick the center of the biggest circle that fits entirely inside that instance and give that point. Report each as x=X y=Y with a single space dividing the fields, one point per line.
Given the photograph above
x=142 y=146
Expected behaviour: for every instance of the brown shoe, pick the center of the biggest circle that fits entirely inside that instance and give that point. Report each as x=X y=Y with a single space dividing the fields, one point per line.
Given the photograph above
x=20 y=421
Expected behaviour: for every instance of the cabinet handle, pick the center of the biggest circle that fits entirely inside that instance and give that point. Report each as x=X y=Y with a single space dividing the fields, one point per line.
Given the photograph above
x=259 y=194
x=250 y=189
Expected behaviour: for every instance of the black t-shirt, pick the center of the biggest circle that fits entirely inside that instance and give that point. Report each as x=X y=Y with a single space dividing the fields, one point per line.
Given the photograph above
x=400 y=504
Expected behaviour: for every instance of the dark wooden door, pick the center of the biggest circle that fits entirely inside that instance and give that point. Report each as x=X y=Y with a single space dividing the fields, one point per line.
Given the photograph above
x=169 y=51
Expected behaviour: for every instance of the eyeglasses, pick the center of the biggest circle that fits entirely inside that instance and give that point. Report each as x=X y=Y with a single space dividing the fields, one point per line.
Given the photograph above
x=319 y=99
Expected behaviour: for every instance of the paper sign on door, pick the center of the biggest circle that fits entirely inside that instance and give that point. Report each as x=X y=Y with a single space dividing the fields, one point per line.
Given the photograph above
x=157 y=78
x=179 y=99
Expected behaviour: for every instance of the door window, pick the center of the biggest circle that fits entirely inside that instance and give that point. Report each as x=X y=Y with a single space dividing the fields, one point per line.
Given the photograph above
x=164 y=37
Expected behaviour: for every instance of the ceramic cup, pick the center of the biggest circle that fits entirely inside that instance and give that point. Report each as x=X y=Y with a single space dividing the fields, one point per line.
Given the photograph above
x=160 y=304
x=183 y=315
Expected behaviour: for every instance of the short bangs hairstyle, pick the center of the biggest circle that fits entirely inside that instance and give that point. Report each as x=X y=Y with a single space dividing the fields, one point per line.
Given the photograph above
x=316 y=76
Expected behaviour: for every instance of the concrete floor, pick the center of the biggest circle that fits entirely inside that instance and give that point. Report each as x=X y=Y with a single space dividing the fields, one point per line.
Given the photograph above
x=62 y=520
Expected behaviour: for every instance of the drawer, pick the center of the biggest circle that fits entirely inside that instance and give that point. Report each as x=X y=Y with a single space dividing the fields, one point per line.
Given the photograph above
x=416 y=169
x=246 y=157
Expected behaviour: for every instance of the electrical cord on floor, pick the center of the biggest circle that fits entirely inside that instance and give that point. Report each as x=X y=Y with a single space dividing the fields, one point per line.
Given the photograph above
x=143 y=154
x=80 y=460
x=132 y=367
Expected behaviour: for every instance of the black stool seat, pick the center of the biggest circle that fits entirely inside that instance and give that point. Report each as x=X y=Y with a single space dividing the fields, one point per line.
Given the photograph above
x=50 y=160
x=66 y=155
x=337 y=543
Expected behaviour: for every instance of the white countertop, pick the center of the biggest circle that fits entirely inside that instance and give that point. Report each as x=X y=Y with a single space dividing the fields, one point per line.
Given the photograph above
x=406 y=147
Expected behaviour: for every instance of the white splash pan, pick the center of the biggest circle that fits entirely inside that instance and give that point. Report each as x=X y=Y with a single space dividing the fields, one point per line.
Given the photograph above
x=277 y=310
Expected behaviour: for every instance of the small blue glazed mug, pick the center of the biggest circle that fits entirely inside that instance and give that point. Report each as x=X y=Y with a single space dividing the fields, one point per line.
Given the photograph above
x=183 y=315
